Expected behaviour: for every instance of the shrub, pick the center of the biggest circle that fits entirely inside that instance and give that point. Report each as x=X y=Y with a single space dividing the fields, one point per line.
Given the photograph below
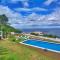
x=35 y=34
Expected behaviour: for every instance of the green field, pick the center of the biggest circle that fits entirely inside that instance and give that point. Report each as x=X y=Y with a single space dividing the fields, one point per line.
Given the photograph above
x=13 y=51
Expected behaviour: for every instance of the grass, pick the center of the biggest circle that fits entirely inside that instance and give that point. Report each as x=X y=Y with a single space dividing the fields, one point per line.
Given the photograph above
x=12 y=51
x=6 y=54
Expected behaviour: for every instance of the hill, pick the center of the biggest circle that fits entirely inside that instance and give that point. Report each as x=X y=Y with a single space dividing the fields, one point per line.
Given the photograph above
x=8 y=28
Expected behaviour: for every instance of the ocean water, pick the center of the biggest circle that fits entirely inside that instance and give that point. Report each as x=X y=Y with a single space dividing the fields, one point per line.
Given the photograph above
x=53 y=31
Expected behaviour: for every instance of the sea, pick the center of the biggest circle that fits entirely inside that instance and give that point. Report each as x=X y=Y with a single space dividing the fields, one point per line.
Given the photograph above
x=53 y=31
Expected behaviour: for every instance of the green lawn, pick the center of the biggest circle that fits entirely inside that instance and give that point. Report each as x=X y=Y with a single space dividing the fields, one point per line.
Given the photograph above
x=13 y=51
x=6 y=54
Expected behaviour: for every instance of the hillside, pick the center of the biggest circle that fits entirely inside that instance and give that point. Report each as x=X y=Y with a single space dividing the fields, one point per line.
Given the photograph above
x=7 y=29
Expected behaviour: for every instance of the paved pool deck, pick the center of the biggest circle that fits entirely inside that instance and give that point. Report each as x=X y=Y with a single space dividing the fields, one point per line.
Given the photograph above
x=43 y=38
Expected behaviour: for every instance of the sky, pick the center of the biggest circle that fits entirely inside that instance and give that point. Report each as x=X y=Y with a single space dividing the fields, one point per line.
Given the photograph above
x=32 y=13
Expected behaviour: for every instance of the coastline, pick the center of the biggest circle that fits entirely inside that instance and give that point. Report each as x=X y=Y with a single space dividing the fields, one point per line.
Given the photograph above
x=57 y=40
x=53 y=31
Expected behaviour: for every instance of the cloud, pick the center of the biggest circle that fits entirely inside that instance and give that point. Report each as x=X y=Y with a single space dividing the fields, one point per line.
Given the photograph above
x=5 y=10
x=43 y=20
x=33 y=20
x=31 y=9
x=22 y=9
x=13 y=16
x=38 y=9
x=19 y=0
x=48 y=2
x=24 y=2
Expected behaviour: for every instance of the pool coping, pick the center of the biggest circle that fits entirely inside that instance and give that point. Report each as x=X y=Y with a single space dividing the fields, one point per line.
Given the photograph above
x=40 y=47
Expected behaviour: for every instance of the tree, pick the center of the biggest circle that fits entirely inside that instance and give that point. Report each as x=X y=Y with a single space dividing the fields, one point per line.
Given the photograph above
x=3 y=20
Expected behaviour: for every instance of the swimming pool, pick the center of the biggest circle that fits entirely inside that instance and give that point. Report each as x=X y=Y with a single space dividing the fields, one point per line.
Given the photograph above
x=43 y=45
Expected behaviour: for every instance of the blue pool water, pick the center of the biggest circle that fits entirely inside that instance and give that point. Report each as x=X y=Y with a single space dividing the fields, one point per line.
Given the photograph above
x=46 y=45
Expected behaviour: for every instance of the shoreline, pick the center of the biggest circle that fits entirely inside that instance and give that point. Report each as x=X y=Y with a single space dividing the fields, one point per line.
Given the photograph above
x=53 y=31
